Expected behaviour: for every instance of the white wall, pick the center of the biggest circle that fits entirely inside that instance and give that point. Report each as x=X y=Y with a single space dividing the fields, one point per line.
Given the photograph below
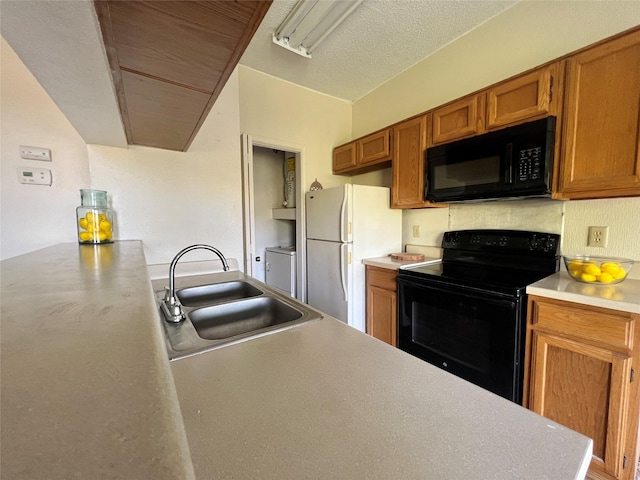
x=524 y=36
x=33 y=217
x=170 y=200
x=276 y=110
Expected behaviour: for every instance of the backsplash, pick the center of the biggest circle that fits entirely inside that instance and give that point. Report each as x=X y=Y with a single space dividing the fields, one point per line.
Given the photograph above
x=570 y=219
x=539 y=215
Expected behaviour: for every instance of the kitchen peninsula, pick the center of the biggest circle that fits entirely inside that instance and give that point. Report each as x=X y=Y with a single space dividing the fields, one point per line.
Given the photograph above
x=88 y=392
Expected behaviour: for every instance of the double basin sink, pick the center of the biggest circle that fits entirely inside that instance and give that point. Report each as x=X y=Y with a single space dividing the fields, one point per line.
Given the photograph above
x=226 y=312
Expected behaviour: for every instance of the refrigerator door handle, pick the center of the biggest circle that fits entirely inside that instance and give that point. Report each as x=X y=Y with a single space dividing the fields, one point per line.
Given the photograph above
x=342 y=219
x=343 y=274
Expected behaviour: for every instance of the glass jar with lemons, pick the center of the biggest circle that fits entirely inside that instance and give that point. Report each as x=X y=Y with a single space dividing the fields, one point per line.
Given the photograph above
x=94 y=218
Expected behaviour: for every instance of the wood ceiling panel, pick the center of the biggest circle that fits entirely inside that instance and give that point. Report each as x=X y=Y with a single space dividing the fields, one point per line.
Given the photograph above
x=191 y=46
x=188 y=43
x=161 y=114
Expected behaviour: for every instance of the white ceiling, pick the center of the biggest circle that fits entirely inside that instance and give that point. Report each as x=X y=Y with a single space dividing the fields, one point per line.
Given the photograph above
x=379 y=40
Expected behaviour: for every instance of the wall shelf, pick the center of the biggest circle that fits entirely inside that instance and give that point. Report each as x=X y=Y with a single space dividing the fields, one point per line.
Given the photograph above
x=284 y=213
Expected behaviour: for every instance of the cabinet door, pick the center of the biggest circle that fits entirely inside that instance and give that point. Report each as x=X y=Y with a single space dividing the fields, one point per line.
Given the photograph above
x=374 y=148
x=409 y=143
x=579 y=369
x=381 y=304
x=586 y=389
x=526 y=97
x=344 y=157
x=601 y=135
x=462 y=118
x=381 y=314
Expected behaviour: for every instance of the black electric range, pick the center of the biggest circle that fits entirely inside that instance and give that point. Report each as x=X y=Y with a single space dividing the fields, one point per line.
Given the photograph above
x=467 y=314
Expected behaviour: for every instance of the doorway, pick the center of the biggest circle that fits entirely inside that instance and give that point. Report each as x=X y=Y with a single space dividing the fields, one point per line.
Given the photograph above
x=273 y=217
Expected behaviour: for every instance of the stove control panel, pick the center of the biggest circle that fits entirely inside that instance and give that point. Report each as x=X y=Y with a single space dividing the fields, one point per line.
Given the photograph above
x=502 y=240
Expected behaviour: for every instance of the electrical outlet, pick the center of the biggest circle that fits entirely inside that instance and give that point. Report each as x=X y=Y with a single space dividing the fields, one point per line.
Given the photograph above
x=416 y=231
x=598 y=236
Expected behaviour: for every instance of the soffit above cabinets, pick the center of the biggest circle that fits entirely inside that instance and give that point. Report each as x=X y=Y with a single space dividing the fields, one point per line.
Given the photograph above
x=170 y=60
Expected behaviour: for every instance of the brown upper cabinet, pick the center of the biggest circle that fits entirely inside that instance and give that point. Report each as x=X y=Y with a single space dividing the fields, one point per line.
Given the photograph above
x=523 y=98
x=409 y=144
x=594 y=95
x=600 y=154
x=358 y=156
x=459 y=119
x=344 y=157
x=374 y=148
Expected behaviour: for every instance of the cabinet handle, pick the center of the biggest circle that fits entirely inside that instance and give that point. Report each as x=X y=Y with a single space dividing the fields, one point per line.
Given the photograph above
x=550 y=88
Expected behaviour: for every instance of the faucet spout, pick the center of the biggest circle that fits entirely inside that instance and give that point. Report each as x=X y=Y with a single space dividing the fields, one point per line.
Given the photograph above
x=171 y=305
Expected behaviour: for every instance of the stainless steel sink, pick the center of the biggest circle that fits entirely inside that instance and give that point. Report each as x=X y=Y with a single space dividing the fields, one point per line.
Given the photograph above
x=237 y=318
x=227 y=312
x=216 y=293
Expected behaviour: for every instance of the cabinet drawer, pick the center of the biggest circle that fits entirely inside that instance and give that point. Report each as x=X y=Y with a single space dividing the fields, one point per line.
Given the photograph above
x=382 y=278
x=595 y=326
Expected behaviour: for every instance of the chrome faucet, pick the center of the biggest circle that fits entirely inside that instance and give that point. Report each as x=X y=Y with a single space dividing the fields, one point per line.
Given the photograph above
x=171 y=305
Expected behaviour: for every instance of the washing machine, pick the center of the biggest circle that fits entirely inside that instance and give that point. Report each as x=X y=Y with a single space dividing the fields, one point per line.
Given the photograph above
x=281 y=269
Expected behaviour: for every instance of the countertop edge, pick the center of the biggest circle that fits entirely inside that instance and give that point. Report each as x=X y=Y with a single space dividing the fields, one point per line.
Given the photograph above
x=624 y=296
x=391 y=264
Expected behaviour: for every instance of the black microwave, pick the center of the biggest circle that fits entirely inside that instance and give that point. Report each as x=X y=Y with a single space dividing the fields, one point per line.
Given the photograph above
x=509 y=163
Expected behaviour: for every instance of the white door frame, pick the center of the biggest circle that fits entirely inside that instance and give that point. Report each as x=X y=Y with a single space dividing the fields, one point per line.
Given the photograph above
x=248 y=142
x=249 y=226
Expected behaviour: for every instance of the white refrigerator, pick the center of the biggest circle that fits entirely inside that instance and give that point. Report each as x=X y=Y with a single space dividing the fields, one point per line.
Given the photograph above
x=345 y=225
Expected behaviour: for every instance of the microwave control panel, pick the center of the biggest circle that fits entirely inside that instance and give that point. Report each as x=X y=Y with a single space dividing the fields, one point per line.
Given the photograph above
x=530 y=164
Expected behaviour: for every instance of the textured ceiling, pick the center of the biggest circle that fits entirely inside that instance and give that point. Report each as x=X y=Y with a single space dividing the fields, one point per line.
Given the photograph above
x=380 y=39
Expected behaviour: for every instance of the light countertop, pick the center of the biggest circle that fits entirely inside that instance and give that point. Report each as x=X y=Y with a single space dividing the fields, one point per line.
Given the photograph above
x=86 y=386
x=391 y=264
x=624 y=296
x=88 y=392
x=324 y=400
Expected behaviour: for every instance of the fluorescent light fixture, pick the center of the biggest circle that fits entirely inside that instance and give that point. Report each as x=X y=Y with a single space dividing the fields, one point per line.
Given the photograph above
x=310 y=22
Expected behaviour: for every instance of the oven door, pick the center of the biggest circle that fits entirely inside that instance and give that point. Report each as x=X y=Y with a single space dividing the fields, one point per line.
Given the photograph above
x=478 y=336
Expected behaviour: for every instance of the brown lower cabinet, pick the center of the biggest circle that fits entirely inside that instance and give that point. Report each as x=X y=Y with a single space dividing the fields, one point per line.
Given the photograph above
x=580 y=369
x=382 y=304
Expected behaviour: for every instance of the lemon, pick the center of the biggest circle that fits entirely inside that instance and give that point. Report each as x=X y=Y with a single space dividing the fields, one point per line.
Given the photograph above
x=586 y=277
x=89 y=216
x=102 y=217
x=83 y=223
x=592 y=269
x=605 y=277
x=105 y=226
x=85 y=236
x=620 y=274
x=102 y=236
x=610 y=267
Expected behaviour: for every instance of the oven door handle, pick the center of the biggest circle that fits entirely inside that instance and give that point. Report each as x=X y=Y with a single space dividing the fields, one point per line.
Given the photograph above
x=469 y=292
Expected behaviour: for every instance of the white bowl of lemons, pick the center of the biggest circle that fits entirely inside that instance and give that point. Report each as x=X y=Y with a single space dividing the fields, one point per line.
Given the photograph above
x=597 y=270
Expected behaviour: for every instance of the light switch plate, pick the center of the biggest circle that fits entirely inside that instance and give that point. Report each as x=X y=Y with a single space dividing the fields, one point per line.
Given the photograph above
x=34 y=176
